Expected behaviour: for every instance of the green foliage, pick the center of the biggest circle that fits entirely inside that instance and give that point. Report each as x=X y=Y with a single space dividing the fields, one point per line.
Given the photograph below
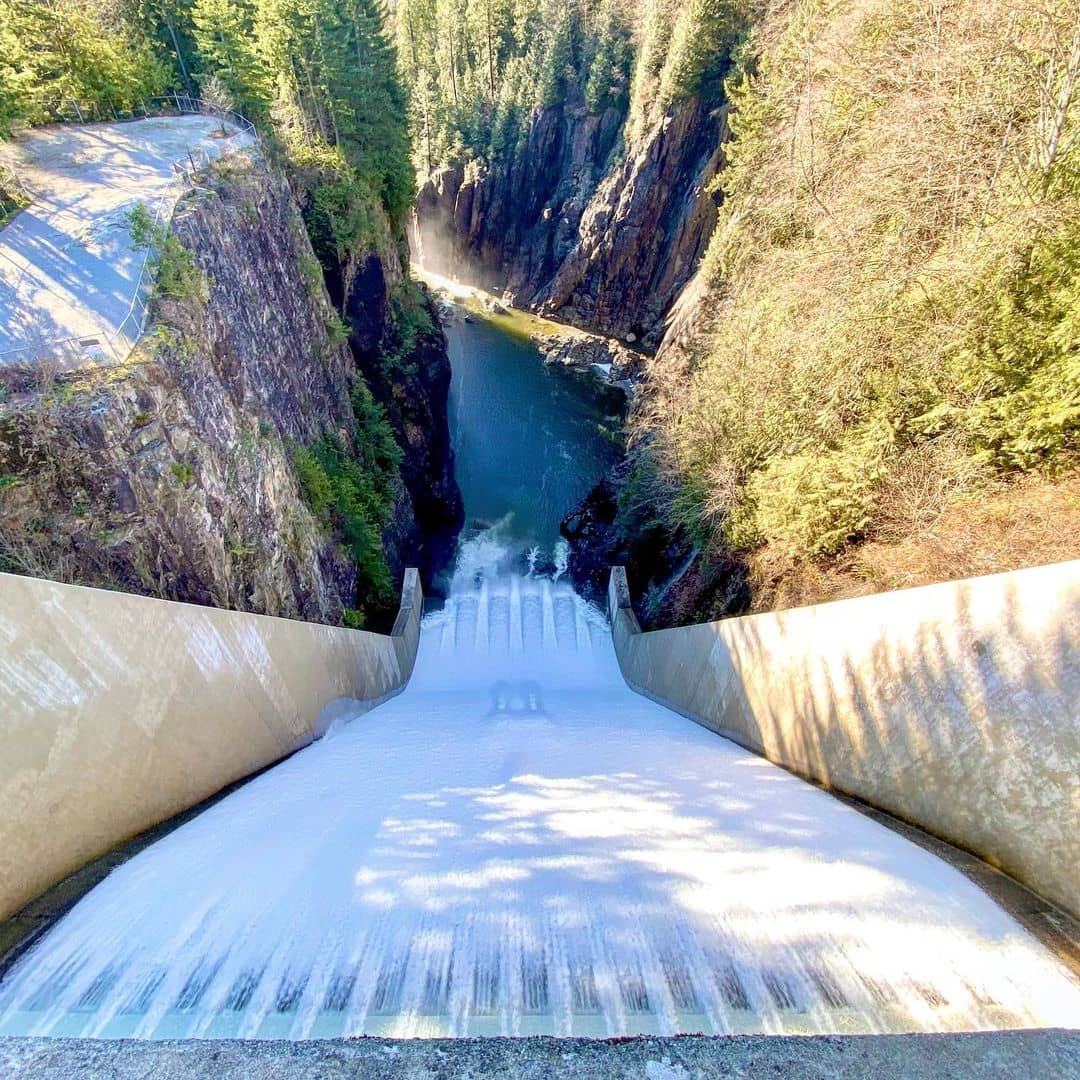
x=893 y=307
x=341 y=211
x=182 y=473
x=72 y=51
x=175 y=272
x=224 y=34
x=477 y=71
x=164 y=339
x=812 y=503
x=557 y=65
x=337 y=331
x=327 y=73
x=1023 y=365
x=409 y=319
x=349 y=489
x=321 y=74
x=353 y=618
x=608 y=80
x=314 y=483
x=701 y=41
x=141 y=223
x=311 y=268
x=685 y=49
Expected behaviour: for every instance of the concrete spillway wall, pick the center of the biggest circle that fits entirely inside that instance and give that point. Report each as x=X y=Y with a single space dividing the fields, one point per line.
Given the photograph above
x=118 y=711
x=954 y=706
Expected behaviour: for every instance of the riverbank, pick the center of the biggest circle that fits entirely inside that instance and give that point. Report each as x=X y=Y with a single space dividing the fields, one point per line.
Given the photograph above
x=608 y=361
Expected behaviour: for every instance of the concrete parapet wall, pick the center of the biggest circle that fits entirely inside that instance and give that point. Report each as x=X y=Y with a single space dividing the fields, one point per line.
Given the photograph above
x=954 y=706
x=118 y=711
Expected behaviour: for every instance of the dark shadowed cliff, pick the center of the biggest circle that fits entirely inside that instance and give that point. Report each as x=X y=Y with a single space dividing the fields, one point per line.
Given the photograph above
x=582 y=225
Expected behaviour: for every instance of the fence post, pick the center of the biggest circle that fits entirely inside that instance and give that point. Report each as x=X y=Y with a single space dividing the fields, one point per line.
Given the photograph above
x=78 y=111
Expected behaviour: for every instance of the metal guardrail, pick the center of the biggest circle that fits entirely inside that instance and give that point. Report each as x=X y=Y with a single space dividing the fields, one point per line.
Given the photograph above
x=14 y=194
x=88 y=112
x=184 y=103
x=111 y=342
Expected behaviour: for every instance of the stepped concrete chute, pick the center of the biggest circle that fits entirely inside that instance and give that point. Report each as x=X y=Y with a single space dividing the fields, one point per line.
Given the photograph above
x=118 y=711
x=520 y=845
x=954 y=706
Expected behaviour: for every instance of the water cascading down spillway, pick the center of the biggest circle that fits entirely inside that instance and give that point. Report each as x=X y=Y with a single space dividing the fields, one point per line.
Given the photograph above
x=519 y=844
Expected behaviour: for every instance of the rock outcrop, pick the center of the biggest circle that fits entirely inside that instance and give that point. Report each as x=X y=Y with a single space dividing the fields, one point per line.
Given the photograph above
x=644 y=231
x=578 y=225
x=602 y=356
x=672 y=581
x=414 y=393
x=172 y=474
x=509 y=225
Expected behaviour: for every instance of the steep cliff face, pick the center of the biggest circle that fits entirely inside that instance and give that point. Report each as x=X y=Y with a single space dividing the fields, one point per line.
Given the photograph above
x=173 y=474
x=673 y=581
x=400 y=352
x=509 y=225
x=578 y=225
x=410 y=379
x=644 y=231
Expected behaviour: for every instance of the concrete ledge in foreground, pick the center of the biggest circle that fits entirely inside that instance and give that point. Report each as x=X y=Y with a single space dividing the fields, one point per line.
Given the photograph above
x=1050 y=1053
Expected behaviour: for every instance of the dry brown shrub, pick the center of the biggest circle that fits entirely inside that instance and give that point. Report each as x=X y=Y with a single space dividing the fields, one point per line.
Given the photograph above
x=1030 y=521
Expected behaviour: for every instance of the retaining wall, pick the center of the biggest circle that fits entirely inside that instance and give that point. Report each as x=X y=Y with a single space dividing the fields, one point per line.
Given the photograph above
x=954 y=706
x=118 y=711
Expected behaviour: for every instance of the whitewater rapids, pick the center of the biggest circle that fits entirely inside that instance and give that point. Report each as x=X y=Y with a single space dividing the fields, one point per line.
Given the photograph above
x=519 y=844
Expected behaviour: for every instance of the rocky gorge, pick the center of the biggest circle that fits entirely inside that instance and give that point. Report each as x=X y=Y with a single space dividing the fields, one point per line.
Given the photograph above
x=603 y=230
x=582 y=225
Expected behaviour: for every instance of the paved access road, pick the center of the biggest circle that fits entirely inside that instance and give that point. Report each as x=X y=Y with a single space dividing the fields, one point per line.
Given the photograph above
x=67 y=267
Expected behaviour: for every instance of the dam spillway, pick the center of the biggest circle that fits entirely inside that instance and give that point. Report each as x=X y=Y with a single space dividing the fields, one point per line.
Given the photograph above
x=518 y=844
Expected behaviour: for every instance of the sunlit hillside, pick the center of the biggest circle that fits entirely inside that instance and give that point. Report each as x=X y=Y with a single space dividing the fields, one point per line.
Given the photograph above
x=890 y=335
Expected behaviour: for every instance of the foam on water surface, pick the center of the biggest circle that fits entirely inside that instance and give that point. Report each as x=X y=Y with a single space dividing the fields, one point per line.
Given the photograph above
x=519 y=844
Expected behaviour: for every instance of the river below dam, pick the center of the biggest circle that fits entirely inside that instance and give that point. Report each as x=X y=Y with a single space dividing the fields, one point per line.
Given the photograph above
x=519 y=844
x=529 y=439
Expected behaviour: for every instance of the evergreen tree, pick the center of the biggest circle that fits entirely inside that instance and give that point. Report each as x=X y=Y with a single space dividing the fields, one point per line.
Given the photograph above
x=558 y=58
x=68 y=56
x=699 y=48
x=477 y=68
x=224 y=34
x=19 y=86
x=610 y=66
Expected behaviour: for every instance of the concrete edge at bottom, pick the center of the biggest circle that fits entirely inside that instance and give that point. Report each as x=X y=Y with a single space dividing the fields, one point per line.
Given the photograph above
x=1049 y=1053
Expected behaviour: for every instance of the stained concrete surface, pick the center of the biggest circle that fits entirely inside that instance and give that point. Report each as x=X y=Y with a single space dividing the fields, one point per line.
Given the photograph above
x=119 y=711
x=1051 y=1054
x=952 y=706
x=67 y=266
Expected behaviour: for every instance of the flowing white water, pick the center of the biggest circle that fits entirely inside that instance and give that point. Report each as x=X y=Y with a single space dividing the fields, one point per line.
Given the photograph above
x=519 y=844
